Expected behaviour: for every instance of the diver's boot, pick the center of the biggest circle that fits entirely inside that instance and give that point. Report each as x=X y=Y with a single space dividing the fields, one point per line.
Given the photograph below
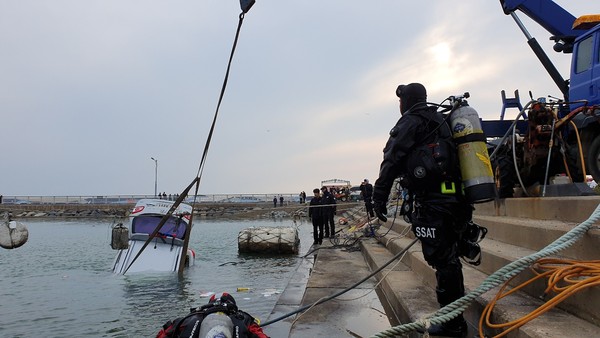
x=449 y=288
x=456 y=327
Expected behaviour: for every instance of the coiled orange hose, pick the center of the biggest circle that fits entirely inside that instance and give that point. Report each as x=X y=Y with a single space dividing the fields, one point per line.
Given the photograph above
x=565 y=277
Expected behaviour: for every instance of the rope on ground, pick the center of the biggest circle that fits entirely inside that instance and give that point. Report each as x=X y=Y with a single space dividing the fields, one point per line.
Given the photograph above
x=576 y=275
x=505 y=273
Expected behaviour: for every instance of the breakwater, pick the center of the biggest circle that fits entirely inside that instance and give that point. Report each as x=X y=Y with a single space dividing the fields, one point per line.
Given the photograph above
x=203 y=210
x=216 y=210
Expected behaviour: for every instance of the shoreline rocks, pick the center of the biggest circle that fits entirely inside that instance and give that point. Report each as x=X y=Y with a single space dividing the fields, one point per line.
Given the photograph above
x=229 y=211
x=201 y=210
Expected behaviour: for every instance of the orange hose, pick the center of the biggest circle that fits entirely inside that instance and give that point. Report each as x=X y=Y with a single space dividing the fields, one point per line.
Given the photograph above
x=565 y=277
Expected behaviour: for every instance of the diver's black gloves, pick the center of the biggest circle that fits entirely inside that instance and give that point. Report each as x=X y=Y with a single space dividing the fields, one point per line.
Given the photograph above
x=380 y=210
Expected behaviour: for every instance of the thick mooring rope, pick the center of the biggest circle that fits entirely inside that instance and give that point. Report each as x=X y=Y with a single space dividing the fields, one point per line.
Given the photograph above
x=510 y=270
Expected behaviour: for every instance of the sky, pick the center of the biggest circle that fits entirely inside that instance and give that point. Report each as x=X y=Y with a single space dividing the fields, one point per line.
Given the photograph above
x=91 y=90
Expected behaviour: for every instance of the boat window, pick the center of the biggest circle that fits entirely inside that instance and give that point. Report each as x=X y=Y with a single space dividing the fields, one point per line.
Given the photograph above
x=147 y=224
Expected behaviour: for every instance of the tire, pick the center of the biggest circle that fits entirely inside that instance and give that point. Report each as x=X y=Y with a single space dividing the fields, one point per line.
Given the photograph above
x=505 y=176
x=593 y=159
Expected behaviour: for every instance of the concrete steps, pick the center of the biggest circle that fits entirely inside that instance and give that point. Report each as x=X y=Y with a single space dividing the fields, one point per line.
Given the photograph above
x=409 y=286
x=537 y=234
x=497 y=253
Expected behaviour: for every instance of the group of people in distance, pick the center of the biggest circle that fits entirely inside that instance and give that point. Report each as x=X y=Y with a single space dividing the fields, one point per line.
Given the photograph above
x=321 y=210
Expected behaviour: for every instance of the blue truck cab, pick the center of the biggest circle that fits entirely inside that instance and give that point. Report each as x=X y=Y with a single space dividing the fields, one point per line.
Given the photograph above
x=585 y=65
x=573 y=120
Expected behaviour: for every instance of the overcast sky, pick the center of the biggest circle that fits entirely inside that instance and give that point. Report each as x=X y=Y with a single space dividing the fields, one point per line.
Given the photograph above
x=91 y=90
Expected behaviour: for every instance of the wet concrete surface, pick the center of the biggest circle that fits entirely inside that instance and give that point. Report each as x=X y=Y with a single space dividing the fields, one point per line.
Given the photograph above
x=357 y=313
x=328 y=271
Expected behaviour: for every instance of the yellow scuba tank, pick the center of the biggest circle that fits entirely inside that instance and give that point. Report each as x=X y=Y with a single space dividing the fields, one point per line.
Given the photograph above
x=475 y=166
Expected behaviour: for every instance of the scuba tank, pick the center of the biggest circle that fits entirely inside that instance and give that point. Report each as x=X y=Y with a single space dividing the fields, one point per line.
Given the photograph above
x=475 y=166
x=216 y=325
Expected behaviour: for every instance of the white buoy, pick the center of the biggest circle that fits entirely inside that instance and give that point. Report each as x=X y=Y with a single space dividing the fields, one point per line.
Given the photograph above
x=272 y=240
x=13 y=234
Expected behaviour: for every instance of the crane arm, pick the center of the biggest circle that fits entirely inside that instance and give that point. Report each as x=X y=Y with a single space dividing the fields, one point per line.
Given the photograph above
x=547 y=13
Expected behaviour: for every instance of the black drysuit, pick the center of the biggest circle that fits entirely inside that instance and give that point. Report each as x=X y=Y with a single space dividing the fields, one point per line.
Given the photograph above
x=437 y=219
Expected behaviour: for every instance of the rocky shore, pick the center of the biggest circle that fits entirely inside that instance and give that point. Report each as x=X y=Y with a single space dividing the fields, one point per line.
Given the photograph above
x=217 y=210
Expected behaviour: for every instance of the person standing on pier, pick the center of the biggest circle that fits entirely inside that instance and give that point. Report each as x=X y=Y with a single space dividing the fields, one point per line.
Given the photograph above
x=329 y=209
x=440 y=215
x=366 y=190
x=315 y=213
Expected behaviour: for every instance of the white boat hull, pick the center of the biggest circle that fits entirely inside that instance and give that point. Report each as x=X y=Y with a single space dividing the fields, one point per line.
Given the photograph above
x=163 y=253
x=156 y=257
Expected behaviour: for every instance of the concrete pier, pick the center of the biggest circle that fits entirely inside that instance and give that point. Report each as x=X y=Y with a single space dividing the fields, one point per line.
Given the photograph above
x=517 y=227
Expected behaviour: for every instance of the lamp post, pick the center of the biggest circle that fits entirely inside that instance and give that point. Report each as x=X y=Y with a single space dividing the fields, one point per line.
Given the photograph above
x=155 y=175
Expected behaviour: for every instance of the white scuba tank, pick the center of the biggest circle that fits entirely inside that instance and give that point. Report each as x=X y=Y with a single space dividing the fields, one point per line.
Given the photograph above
x=216 y=325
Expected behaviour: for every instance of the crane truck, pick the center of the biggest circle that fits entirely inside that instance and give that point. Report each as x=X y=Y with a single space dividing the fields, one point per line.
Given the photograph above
x=556 y=135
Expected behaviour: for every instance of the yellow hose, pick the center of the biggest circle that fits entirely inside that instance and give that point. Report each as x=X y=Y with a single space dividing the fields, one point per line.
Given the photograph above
x=580 y=150
x=573 y=275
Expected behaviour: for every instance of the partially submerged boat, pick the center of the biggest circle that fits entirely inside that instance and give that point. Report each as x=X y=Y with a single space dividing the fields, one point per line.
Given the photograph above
x=148 y=248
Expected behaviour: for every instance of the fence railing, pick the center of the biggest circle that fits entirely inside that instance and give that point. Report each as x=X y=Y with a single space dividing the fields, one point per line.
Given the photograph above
x=132 y=199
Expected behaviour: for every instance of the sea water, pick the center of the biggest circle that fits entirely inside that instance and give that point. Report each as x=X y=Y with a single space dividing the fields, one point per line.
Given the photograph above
x=60 y=283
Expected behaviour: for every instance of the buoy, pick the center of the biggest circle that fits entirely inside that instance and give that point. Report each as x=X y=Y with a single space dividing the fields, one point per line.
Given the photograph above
x=120 y=237
x=273 y=240
x=13 y=234
x=190 y=258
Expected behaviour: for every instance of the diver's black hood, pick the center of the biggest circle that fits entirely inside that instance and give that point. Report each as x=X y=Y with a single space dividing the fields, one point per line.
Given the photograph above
x=410 y=95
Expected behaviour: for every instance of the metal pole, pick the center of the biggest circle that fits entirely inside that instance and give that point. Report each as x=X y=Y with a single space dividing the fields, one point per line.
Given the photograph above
x=155 y=175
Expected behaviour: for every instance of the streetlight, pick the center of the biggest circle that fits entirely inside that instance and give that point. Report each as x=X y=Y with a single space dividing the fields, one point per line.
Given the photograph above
x=155 y=174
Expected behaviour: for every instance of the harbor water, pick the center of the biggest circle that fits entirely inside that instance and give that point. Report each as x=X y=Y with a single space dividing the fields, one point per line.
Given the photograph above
x=60 y=283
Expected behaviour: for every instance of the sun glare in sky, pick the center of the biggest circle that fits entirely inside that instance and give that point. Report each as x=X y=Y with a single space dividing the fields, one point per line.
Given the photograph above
x=441 y=53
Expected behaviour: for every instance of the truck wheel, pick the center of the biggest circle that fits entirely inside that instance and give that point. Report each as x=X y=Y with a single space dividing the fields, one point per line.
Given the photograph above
x=505 y=176
x=593 y=159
